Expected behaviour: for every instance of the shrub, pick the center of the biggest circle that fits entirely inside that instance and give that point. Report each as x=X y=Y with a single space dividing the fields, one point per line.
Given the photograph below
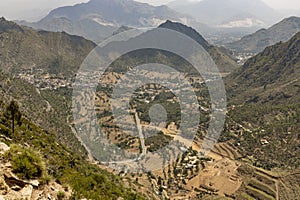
x=61 y=195
x=26 y=163
x=4 y=130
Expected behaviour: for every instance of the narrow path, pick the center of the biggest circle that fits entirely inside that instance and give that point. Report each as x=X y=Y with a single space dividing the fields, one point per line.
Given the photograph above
x=49 y=107
x=132 y=162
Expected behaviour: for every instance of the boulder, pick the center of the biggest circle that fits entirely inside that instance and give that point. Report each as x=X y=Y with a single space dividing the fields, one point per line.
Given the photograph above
x=26 y=192
x=3 y=148
x=34 y=183
x=3 y=187
x=12 y=180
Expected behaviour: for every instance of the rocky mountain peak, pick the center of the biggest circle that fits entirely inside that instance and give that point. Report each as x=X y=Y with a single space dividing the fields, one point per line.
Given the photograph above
x=189 y=31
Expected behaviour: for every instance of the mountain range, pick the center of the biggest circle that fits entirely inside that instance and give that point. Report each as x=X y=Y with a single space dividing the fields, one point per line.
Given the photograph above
x=262 y=38
x=62 y=52
x=228 y=13
x=98 y=19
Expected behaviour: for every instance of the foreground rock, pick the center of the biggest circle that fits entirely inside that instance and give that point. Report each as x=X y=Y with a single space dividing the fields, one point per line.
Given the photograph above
x=13 y=188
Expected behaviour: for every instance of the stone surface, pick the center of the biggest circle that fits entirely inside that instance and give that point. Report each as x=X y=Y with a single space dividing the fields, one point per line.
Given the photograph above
x=34 y=183
x=13 y=188
x=16 y=188
x=3 y=148
x=26 y=192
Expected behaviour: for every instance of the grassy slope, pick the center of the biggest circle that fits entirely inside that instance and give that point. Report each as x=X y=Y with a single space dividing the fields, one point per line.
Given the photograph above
x=57 y=53
x=66 y=167
x=266 y=90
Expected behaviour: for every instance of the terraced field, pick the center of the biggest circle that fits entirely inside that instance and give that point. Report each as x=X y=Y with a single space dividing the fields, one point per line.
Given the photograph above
x=289 y=186
x=258 y=190
x=258 y=194
x=263 y=189
x=227 y=150
x=259 y=184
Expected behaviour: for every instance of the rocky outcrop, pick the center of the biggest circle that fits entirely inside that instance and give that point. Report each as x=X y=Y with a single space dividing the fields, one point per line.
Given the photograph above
x=3 y=148
x=13 y=188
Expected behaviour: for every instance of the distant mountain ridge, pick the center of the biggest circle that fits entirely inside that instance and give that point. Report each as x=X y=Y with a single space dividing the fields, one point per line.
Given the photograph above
x=116 y=12
x=228 y=13
x=259 y=40
x=98 y=19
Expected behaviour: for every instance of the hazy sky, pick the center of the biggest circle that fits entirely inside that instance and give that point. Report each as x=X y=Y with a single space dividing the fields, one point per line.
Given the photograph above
x=36 y=9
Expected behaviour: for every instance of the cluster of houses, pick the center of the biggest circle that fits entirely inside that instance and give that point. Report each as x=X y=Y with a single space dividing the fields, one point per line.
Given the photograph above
x=243 y=57
x=43 y=80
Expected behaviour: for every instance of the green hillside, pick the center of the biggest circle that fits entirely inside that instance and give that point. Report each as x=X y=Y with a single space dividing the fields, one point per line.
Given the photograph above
x=271 y=76
x=23 y=48
x=55 y=162
x=35 y=55
x=264 y=101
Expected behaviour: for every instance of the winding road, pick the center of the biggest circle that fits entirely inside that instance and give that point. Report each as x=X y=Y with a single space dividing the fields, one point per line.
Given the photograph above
x=141 y=136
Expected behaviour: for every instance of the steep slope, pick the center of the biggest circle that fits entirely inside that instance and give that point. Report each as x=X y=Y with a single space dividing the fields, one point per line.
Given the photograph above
x=228 y=13
x=37 y=155
x=23 y=49
x=37 y=107
x=49 y=62
x=277 y=65
x=264 y=96
x=98 y=19
x=221 y=56
x=259 y=40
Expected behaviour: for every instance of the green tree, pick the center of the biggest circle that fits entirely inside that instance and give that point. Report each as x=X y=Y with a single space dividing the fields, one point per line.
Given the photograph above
x=13 y=113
